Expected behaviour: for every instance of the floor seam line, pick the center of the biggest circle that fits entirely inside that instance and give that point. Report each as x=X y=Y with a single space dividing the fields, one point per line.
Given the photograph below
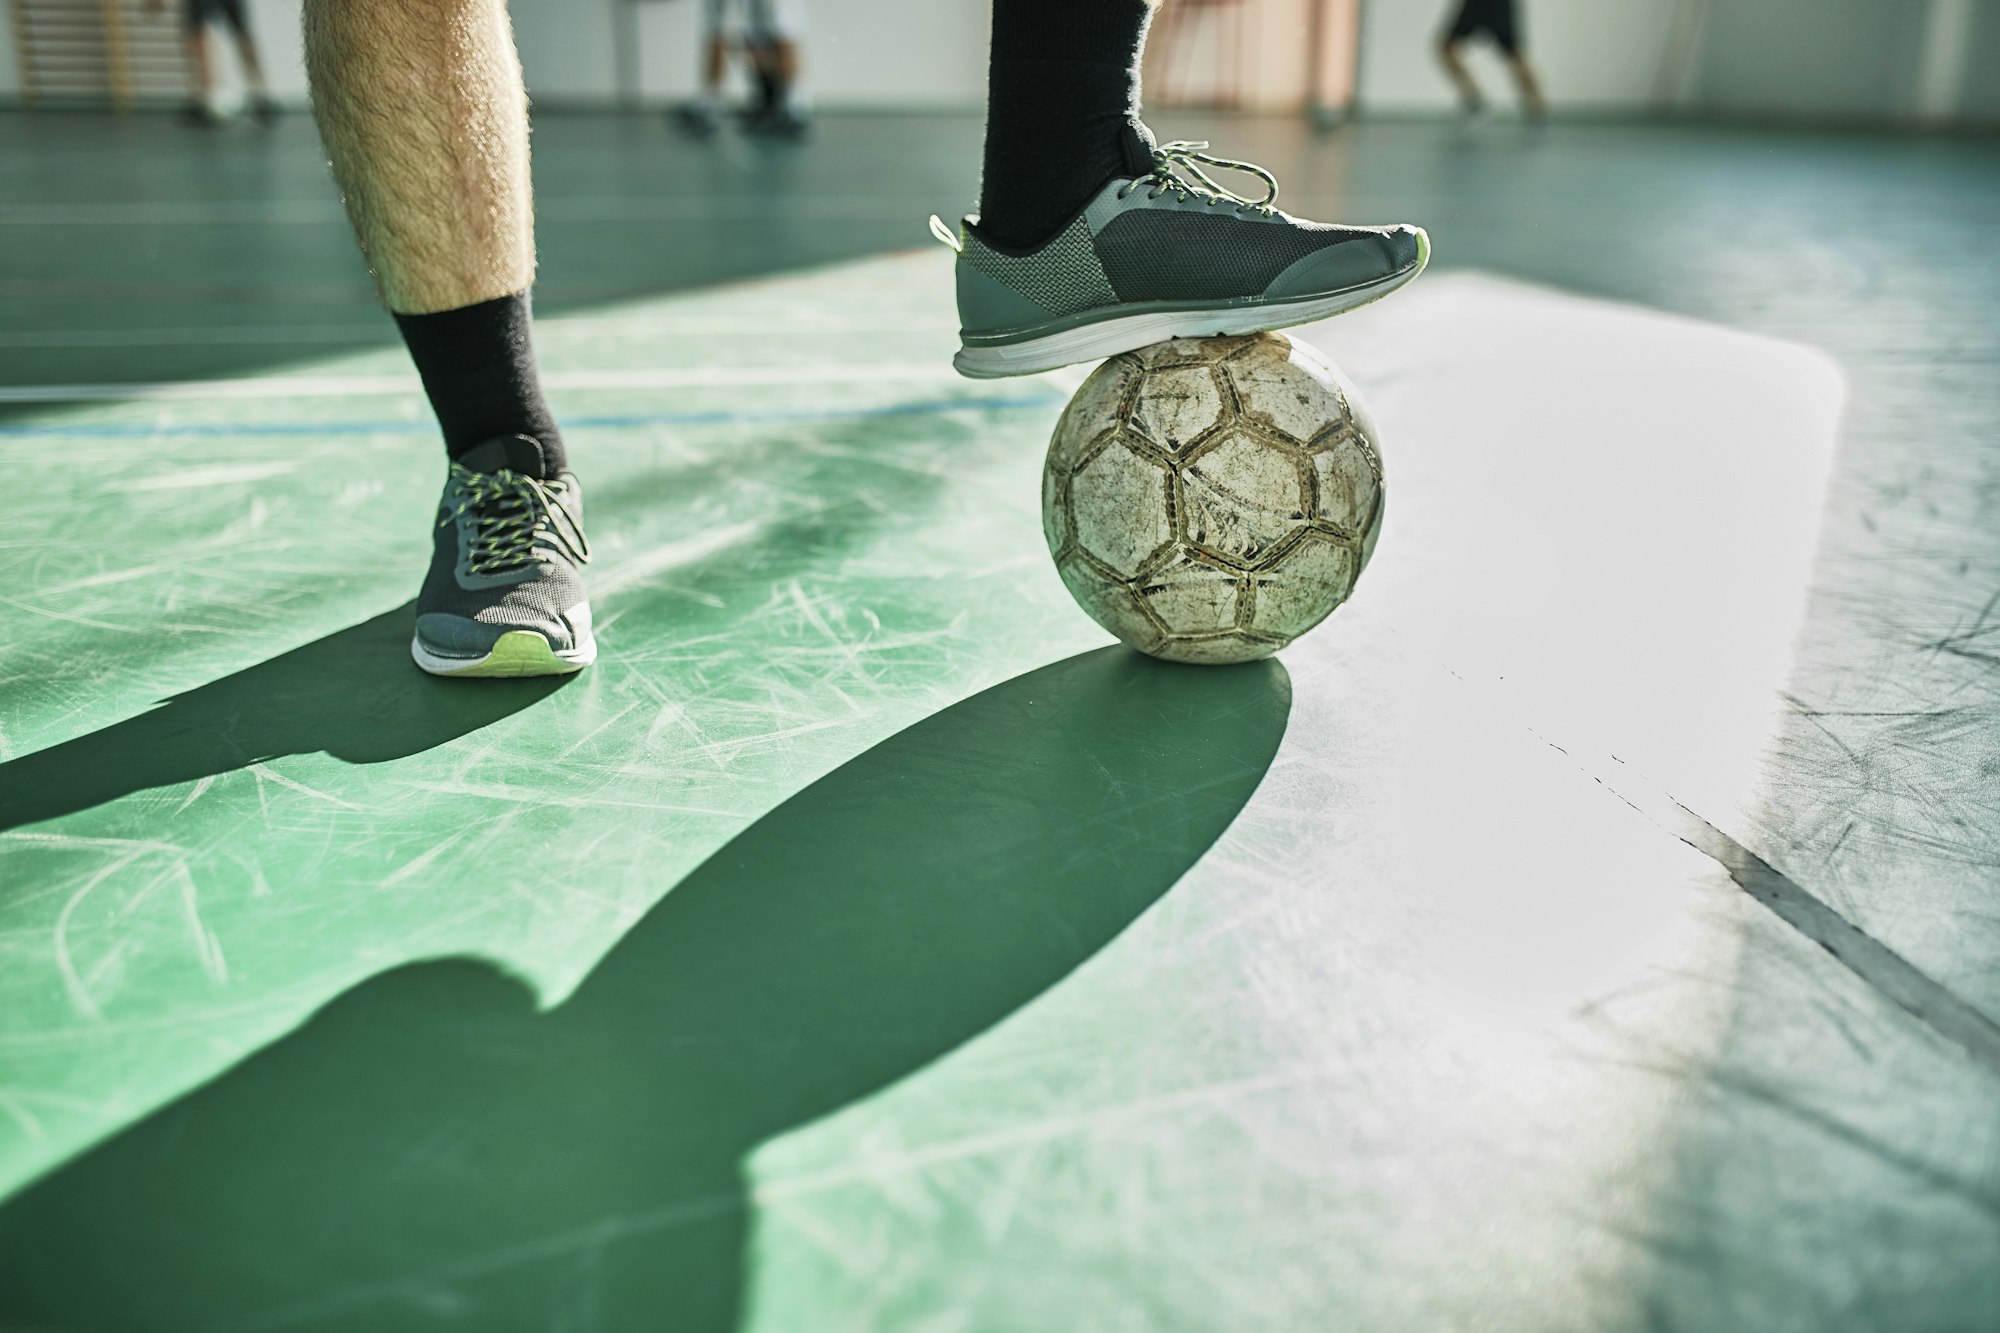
x=1873 y=963
x=1876 y=965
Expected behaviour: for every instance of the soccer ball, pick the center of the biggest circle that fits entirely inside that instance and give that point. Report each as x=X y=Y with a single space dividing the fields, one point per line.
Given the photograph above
x=1211 y=499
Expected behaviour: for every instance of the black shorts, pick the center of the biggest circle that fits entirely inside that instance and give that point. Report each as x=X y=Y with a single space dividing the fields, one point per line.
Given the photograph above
x=1496 y=18
x=199 y=14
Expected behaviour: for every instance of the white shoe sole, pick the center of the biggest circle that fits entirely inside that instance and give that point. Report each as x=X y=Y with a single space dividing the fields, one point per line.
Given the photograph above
x=1128 y=333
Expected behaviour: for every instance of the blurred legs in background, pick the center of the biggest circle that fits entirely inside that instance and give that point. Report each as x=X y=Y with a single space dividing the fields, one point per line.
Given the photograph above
x=426 y=125
x=702 y=117
x=1500 y=20
x=201 y=18
x=772 y=31
x=1528 y=85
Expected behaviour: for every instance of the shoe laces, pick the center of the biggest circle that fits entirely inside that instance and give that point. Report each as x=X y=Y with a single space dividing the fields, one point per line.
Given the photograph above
x=1177 y=170
x=514 y=520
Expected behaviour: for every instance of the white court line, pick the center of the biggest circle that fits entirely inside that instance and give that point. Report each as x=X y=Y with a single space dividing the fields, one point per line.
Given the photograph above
x=364 y=386
x=326 y=211
x=251 y=335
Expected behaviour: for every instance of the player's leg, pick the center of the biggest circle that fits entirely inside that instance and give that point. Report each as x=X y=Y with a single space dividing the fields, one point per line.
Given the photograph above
x=265 y=109
x=1530 y=87
x=772 y=31
x=425 y=120
x=199 y=44
x=762 y=60
x=702 y=116
x=1471 y=19
x=1092 y=239
x=1470 y=102
x=1507 y=32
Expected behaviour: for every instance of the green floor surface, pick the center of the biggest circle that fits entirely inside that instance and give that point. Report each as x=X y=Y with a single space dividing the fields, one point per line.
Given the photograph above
x=1005 y=982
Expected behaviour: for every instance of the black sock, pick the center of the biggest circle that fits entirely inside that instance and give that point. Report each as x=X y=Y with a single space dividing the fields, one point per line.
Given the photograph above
x=1063 y=86
x=478 y=367
x=767 y=82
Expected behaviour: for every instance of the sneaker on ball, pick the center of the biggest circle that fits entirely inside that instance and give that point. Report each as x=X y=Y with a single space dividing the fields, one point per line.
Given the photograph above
x=504 y=595
x=1164 y=252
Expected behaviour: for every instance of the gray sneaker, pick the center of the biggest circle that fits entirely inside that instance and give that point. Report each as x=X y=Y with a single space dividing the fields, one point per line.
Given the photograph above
x=504 y=596
x=1165 y=253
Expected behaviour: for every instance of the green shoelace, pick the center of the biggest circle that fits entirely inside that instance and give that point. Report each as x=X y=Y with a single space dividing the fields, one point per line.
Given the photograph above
x=1177 y=170
x=1170 y=161
x=514 y=520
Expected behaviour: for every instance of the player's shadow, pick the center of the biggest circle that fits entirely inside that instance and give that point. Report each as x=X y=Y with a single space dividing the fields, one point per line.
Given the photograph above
x=354 y=694
x=431 y=1152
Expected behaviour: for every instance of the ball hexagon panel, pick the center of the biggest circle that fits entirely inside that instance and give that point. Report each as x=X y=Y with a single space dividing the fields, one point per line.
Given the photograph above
x=1111 y=603
x=1304 y=588
x=1217 y=649
x=1285 y=387
x=1105 y=397
x=1183 y=352
x=1190 y=597
x=1121 y=508
x=1349 y=486
x=1243 y=495
x=1176 y=407
x=1055 y=509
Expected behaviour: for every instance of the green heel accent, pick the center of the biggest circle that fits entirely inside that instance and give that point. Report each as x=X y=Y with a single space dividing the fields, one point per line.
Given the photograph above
x=520 y=652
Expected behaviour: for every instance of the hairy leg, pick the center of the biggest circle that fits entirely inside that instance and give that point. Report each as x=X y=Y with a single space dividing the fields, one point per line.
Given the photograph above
x=426 y=124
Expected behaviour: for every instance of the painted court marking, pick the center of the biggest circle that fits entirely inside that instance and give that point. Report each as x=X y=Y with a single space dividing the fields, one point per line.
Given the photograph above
x=1874 y=963
x=415 y=426
x=239 y=335
x=371 y=386
x=325 y=211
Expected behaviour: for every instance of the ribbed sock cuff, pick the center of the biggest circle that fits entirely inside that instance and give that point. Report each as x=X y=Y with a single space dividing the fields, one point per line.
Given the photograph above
x=478 y=367
x=1063 y=84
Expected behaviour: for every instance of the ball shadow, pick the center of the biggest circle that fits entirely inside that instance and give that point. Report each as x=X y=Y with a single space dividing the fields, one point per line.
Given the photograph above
x=431 y=1152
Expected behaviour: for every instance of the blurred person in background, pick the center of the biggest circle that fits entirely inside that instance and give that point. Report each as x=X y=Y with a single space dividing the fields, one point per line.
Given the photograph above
x=772 y=30
x=200 y=19
x=1500 y=20
x=1092 y=238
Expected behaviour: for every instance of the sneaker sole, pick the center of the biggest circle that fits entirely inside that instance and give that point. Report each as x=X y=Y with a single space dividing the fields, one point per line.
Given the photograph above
x=1127 y=333
x=520 y=652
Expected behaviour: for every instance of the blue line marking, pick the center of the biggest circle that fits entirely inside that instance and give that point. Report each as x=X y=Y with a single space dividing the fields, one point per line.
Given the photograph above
x=933 y=407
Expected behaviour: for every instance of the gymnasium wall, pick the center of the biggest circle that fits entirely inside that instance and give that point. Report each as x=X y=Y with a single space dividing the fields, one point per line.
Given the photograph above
x=1890 y=60
x=1843 y=58
x=1604 y=55
x=1981 y=96
x=862 y=53
x=886 y=53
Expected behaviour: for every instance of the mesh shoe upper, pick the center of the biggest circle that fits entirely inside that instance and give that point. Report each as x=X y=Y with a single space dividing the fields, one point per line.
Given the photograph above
x=1145 y=252
x=1170 y=235
x=1062 y=277
x=507 y=554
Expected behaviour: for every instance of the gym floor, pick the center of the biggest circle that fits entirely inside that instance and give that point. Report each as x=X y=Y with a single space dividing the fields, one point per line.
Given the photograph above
x=1592 y=927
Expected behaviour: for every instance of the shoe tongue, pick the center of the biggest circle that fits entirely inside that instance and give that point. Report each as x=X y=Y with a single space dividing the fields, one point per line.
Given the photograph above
x=518 y=453
x=1139 y=144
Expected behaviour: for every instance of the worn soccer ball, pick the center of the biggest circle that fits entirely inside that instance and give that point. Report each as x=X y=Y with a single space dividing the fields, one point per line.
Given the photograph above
x=1211 y=499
